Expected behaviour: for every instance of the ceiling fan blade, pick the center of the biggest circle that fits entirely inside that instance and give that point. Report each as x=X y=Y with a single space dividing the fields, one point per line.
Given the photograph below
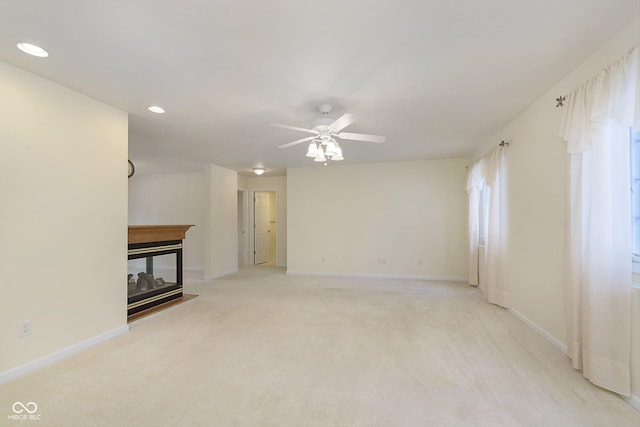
x=378 y=139
x=289 y=144
x=313 y=131
x=342 y=122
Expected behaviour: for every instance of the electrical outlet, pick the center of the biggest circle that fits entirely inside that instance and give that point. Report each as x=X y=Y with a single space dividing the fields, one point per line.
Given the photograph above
x=25 y=328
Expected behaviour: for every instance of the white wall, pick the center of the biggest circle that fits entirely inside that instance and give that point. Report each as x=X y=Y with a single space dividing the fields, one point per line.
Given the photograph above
x=243 y=182
x=208 y=200
x=63 y=233
x=221 y=222
x=172 y=199
x=537 y=178
x=343 y=219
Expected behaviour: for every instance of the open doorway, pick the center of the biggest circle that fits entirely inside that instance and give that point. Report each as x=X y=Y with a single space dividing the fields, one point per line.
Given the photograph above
x=265 y=227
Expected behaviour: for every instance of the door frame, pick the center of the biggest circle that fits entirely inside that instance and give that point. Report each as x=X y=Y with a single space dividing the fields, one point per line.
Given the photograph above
x=244 y=220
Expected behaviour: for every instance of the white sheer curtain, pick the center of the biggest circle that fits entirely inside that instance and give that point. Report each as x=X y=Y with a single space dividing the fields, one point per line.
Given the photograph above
x=491 y=170
x=596 y=127
x=496 y=245
x=474 y=188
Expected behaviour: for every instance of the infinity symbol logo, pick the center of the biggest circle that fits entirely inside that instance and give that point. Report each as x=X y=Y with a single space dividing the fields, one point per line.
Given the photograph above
x=19 y=407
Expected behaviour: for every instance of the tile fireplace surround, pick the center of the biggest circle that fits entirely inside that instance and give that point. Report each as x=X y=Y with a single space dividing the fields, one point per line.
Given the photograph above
x=154 y=265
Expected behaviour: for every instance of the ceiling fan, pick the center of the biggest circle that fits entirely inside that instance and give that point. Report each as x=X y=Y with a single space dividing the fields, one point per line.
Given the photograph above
x=325 y=130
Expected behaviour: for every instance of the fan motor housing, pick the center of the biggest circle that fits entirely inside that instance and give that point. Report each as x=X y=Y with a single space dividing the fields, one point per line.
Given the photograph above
x=322 y=123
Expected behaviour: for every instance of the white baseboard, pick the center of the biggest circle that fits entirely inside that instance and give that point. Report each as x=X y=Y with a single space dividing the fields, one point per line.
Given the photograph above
x=379 y=276
x=553 y=340
x=18 y=371
x=634 y=401
x=217 y=276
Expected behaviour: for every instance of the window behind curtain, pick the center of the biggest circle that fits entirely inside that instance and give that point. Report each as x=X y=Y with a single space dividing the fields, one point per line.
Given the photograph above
x=635 y=197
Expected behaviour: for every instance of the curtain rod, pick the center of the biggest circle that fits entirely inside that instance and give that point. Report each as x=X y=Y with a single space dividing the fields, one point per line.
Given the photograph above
x=502 y=144
x=560 y=100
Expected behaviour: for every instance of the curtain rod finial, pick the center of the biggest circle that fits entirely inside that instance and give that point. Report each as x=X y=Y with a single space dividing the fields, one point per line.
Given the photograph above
x=560 y=101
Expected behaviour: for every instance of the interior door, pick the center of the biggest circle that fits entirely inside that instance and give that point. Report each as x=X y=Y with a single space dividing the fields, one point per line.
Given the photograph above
x=261 y=218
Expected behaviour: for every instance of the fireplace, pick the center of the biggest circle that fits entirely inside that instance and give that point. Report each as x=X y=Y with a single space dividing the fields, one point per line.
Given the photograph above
x=154 y=266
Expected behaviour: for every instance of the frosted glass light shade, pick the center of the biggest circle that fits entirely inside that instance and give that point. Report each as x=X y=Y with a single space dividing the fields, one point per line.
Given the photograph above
x=331 y=149
x=320 y=156
x=313 y=150
x=338 y=156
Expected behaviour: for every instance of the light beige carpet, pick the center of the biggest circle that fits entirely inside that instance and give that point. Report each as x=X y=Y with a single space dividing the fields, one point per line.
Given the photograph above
x=259 y=348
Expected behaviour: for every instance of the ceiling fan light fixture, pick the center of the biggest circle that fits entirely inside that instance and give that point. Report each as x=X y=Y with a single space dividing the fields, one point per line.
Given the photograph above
x=259 y=171
x=330 y=149
x=313 y=150
x=320 y=156
x=326 y=133
x=338 y=156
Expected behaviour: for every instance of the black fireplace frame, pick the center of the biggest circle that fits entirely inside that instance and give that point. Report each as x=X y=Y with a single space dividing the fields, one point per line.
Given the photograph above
x=152 y=298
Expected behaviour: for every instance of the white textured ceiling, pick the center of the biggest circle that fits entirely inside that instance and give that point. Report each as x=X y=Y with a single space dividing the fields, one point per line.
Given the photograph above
x=433 y=76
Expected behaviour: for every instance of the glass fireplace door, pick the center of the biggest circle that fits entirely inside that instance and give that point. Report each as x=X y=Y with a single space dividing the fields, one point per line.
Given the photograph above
x=154 y=274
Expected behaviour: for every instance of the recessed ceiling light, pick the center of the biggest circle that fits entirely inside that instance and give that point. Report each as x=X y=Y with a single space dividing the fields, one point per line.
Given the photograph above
x=32 y=49
x=156 y=109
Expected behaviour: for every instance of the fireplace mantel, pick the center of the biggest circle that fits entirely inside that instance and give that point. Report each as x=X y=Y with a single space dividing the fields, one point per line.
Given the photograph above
x=157 y=233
